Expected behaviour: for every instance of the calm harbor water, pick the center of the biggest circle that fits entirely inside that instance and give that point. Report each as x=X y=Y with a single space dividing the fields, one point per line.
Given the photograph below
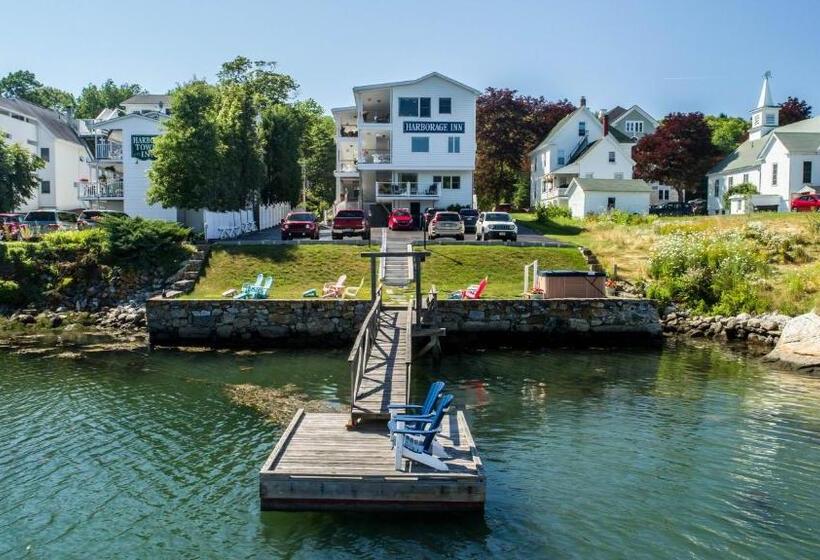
x=680 y=452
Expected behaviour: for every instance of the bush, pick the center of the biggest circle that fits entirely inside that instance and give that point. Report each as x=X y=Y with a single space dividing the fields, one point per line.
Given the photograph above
x=141 y=242
x=621 y=218
x=547 y=213
x=741 y=188
x=10 y=292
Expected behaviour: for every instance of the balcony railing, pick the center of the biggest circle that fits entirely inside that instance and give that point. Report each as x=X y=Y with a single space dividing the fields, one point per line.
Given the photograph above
x=348 y=131
x=89 y=191
x=347 y=166
x=370 y=117
x=408 y=190
x=109 y=150
x=375 y=156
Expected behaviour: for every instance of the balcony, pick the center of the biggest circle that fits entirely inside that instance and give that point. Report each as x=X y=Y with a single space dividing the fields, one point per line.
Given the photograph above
x=109 y=150
x=347 y=166
x=111 y=190
x=376 y=117
x=375 y=156
x=408 y=190
x=348 y=131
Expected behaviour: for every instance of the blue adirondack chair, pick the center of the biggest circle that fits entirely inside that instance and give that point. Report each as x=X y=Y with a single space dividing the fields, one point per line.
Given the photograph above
x=261 y=292
x=248 y=288
x=418 y=444
x=416 y=415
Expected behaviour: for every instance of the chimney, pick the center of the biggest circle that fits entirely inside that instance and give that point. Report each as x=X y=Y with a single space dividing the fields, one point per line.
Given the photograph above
x=606 y=124
x=583 y=101
x=601 y=113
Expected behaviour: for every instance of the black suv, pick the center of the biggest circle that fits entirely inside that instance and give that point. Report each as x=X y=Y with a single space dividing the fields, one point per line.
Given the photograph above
x=469 y=216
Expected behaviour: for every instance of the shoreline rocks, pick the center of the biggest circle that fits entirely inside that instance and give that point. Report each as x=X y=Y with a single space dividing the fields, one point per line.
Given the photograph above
x=764 y=329
x=799 y=345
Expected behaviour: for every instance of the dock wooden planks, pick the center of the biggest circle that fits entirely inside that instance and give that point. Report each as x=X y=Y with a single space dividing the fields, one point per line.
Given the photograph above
x=319 y=464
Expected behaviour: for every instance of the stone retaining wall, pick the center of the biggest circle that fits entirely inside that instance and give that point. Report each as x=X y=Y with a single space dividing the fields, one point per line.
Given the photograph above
x=755 y=329
x=278 y=322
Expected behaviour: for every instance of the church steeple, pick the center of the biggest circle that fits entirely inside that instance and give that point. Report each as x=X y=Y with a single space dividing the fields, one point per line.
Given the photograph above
x=765 y=115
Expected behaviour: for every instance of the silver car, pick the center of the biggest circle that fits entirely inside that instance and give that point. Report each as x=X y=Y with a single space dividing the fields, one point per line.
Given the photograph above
x=446 y=224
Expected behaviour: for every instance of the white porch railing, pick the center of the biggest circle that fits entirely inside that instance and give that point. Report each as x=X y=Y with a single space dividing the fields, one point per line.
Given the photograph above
x=408 y=190
x=347 y=166
x=93 y=191
x=375 y=156
x=108 y=150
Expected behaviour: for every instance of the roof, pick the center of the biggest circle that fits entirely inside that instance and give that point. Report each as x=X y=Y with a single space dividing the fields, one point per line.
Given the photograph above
x=153 y=116
x=637 y=109
x=765 y=97
x=416 y=81
x=53 y=121
x=620 y=136
x=584 y=152
x=615 y=112
x=147 y=99
x=555 y=129
x=743 y=157
x=800 y=142
x=612 y=185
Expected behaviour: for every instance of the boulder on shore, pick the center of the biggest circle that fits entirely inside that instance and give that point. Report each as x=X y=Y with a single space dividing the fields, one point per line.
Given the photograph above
x=799 y=345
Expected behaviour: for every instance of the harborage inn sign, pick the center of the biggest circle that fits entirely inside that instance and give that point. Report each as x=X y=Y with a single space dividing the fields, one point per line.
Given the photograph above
x=141 y=146
x=446 y=127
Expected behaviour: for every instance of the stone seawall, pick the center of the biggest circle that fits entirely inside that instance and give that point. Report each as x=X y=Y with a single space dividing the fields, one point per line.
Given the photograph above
x=278 y=322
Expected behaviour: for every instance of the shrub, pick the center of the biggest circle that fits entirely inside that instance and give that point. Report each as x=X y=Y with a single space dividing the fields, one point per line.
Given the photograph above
x=741 y=188
x=141 y=242
x=547 y=213
x=620 y=217
x=10 y=292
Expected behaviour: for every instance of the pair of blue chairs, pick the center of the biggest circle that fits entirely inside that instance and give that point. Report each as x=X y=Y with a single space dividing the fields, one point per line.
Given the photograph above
x=258 y=290
x=413 y=429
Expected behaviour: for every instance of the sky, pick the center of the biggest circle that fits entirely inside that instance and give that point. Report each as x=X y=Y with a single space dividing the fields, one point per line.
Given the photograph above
x=665 y=56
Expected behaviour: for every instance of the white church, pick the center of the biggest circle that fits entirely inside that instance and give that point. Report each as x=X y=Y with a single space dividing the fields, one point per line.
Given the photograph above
x=781 y=161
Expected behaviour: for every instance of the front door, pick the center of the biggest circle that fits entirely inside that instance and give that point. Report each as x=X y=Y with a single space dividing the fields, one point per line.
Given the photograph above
x=415 y=211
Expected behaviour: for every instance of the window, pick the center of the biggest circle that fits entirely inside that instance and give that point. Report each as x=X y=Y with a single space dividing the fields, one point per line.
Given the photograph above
x=756 y=120
x=774 y=174
x=665 y=194
x=633 y=127
x=611 y=157
x=445 y=105
x=619 y=175
x=408 y=106
x=454 y=145
x=452 y=182
x=44 y=154
x=807 y=172
x=731 y=182
x=610 y=203
x=770 y=120
x=31 y=142
x=424 y=106
x=582 y=128
x=420 y=144
x=717 y=188
x=562 y=157
x=45 y=187
x=745 y=177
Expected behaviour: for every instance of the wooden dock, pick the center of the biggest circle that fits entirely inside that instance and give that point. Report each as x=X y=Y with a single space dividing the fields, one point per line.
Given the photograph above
x=319 y=464
x=335 y=461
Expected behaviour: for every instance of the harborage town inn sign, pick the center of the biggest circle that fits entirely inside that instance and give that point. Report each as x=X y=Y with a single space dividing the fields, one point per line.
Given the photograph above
x=446 y=127
x=141 y=146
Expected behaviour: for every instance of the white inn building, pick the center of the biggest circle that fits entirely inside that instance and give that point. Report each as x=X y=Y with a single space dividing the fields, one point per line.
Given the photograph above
x=406 y=145
x=781 y=161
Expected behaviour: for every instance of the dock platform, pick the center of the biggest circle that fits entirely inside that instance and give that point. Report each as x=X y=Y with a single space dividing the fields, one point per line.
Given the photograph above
x=319 y=464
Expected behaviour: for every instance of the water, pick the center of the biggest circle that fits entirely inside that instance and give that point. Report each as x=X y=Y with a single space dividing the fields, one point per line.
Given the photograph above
x=683 y=452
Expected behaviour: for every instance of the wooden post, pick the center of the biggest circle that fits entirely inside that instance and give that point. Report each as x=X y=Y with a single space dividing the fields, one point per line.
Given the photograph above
x=417 y=275
x=372 y=279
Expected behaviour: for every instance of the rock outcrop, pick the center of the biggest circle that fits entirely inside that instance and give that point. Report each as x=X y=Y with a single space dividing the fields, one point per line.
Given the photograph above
x=799 y=345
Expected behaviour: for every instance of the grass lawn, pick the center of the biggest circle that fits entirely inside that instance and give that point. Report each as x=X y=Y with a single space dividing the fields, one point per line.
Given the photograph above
x=295 y=268
x=792 y=288
x=454 y=267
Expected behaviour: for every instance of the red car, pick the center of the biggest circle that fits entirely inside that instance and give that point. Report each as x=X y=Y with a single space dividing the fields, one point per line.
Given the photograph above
x=350 y=223
x=806 y=203
x=400 y=218
x=300 y=224
x=11 y=227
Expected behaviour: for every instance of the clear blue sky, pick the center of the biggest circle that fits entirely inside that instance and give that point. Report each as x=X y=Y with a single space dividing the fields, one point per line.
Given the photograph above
x=683 y=56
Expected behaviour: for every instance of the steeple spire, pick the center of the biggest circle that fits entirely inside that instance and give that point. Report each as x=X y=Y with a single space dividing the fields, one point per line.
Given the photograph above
x=765 y=99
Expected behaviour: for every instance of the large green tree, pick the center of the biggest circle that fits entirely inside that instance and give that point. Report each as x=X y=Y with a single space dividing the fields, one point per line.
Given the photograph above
x=18 y=176
x=107 y=95
x=25 y=85
x=319 y=161
x=186 y=171
x=281 y=131
x=727 y=132
x=268 y=87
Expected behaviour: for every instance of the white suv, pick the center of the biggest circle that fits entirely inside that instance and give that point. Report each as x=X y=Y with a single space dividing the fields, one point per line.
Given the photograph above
x=496 y=225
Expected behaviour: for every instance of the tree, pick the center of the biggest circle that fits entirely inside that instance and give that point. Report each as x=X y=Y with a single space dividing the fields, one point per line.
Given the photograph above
x=25 y=85
x=508 y=127
x=678 y=153
x=319 y=161
x=727 y=132
x=268 y=87
x=186 y=171
x=280 y=133
x=109 y=95
x=18 y=176
x=793 y=110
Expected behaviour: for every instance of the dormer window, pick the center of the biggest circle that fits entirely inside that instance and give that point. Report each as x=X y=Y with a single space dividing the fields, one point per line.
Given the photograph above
x=582 y=128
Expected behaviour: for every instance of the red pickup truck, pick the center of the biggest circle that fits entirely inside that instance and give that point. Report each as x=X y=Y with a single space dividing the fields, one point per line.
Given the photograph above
x=350 y=223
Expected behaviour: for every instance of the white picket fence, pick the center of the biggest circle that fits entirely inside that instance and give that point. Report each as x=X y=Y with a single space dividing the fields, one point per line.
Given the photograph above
x=219 y=225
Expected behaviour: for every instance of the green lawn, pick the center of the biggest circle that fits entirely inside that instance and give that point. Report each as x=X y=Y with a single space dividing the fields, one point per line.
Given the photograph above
x=454 y=267
x=295 y=268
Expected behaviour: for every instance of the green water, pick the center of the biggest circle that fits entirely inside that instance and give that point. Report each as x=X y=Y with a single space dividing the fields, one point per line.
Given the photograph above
x=673 y=453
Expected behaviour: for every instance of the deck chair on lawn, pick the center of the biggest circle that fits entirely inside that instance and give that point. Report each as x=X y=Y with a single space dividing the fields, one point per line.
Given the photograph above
x=334 y=290
x=247 y=288
x=262 y=291
x=472 y=292
x=417 y=444
x=352 y=291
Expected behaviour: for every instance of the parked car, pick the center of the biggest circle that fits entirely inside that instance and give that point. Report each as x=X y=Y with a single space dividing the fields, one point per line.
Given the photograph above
x=429 y=214
x=446 y=224
x=350 y=223
x=469 y=216
x=300 y=224
x=50 y=220
x=672 y=209
x=400 y=218
x=91 y=218
x=806 y=203
x=496 y=225
x=11 y=227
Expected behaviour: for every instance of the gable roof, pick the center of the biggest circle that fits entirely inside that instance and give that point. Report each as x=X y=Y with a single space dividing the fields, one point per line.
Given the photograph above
x=53 y=121
x=153 y=116
x=620 y=136
x=148 y=99
x=611 y=185
x=799 y=142
x=416 y=81
x=636 y=109
x=615 y=112
x=560 y=124
x=743 y=157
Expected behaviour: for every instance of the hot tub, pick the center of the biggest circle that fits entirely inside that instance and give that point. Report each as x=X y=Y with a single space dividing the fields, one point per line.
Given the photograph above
x=571 y=284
